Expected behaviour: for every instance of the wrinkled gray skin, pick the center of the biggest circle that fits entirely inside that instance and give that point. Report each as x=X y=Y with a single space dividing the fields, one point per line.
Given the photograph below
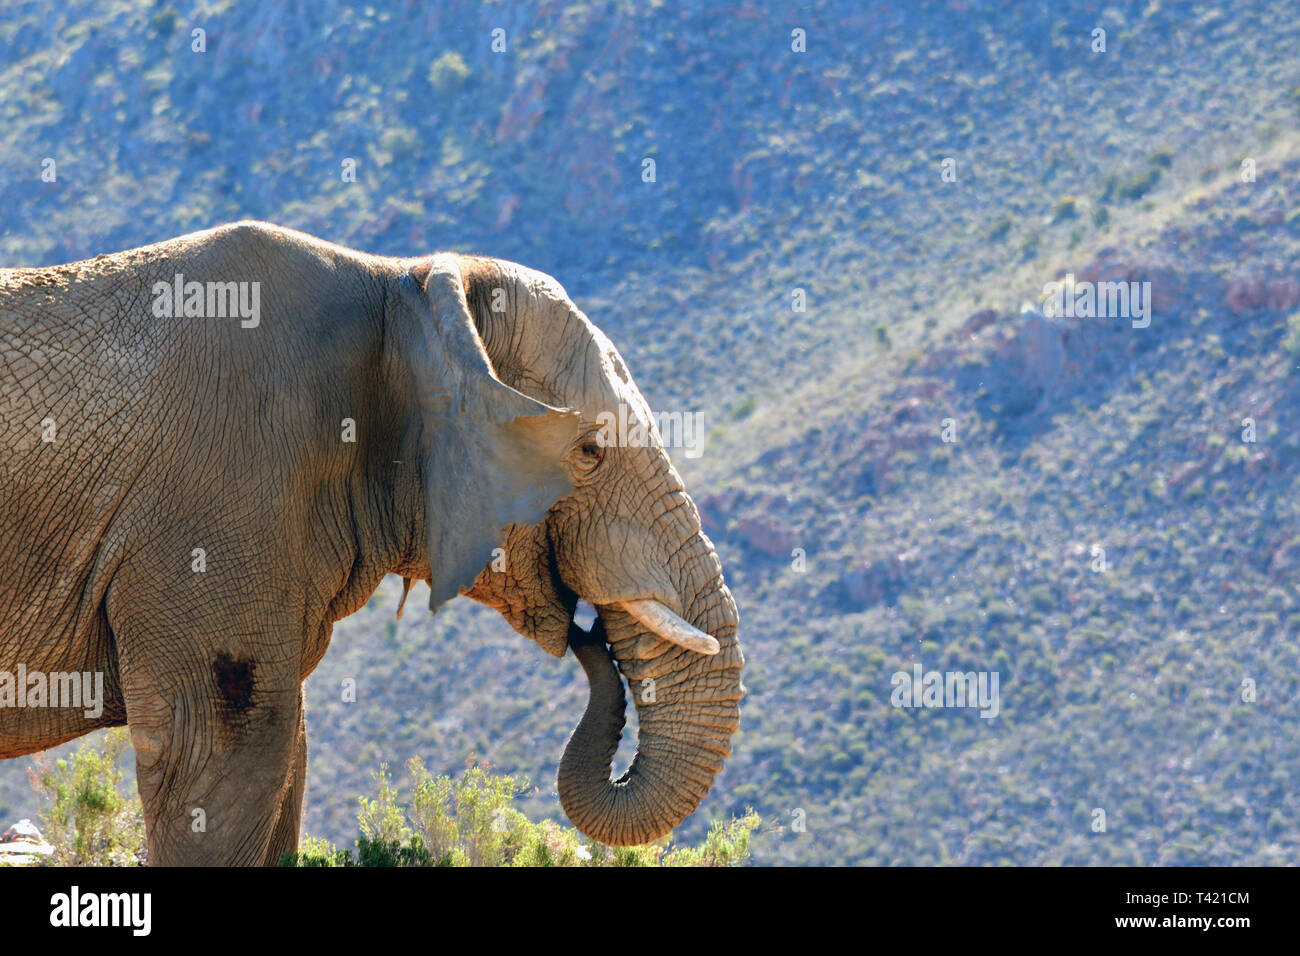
x=174 y=434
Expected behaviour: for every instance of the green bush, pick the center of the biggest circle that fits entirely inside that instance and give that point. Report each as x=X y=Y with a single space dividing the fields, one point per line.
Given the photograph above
x=448 y=72
x=92 y=819
x=1067 y=207
x=470 y=822
x=1140 y=185
x=1292 y=342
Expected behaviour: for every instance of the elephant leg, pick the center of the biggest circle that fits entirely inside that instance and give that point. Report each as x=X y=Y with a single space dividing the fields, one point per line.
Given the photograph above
x=216 y=729
x=284 y=838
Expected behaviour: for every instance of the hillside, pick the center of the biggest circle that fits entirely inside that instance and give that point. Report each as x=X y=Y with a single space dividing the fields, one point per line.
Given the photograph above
x=775 y=171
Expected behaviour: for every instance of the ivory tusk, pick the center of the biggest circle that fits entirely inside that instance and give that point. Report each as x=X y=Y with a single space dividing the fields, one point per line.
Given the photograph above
x=669 y=626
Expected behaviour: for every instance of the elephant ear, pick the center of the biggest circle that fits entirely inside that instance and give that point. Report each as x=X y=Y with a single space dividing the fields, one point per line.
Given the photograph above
x=492 y=456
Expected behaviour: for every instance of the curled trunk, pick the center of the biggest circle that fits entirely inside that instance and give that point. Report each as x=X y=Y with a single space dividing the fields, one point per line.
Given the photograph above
x=688 y=707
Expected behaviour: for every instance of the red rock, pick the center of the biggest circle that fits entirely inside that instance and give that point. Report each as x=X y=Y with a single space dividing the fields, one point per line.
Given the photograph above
x=1283 y=294
x=767 y=536
x=872 y=582
x=1245 y=295
x=24 y=831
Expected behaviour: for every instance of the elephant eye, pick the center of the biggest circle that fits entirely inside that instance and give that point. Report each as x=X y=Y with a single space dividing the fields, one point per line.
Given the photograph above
x=589 y=454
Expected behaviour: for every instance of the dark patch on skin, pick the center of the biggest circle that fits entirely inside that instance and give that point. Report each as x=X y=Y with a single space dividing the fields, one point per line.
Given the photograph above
x=235 y=679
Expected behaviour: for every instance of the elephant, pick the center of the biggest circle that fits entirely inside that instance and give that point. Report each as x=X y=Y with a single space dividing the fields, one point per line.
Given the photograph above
x=216 y=446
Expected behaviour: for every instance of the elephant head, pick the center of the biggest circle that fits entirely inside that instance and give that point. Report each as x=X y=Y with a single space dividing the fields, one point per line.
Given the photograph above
x=627 y=538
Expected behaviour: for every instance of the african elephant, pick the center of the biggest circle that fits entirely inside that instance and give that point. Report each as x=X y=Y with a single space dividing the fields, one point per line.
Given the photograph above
x=215 y=447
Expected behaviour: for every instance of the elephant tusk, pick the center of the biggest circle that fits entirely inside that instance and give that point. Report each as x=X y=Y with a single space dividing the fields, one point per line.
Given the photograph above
x=669 y=626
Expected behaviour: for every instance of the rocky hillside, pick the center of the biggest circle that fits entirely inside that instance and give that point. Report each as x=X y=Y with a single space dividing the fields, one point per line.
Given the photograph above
x=908 y=461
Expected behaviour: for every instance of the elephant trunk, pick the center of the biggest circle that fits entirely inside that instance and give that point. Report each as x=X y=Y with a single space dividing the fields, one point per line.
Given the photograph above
x=688 y=708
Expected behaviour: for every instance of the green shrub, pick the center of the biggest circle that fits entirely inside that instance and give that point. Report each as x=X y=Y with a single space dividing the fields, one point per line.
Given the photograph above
x=1292 y=342
x=93 y=818
x=470 y=822
x=1067 y=207
x=1163 y=158
x=448 y=72
x=1140 y=185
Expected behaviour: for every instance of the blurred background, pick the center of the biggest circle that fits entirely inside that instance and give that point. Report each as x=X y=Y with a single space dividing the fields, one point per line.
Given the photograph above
x=796 y=266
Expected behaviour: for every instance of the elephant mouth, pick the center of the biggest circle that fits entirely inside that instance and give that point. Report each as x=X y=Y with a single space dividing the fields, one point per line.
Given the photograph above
x=650 y=611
